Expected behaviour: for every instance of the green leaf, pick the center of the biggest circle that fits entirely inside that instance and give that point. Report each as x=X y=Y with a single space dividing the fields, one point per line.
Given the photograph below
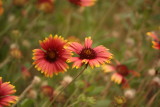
x=97 y=90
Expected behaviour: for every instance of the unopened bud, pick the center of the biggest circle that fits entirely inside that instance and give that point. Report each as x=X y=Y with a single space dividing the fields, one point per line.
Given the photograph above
x=152 y=72
x=130 y=93
x=36 y=80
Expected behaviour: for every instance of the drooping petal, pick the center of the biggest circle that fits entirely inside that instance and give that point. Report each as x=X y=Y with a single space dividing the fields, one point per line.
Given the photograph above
x=117 y=78
x=108 y=68
x=153 y=35
x=156 y=45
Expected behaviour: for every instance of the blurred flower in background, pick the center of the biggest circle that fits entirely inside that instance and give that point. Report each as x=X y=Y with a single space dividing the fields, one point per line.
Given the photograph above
x=32 y=94
x=88 y=55
x=156 y=40
x=6 y=91
x=120 y=71
x=26 y=43
x=51 y=59
x=45 y=5
x=66 y=80
x=47 y=91
x=119 y=100
x=36 y=80
x=130 y=93
x=156 y=81
x=15 y=51
x=1 y=7
x=84 y=3
x=25 y=73
x=20 y=2
x=152 y=72
x=73 y=39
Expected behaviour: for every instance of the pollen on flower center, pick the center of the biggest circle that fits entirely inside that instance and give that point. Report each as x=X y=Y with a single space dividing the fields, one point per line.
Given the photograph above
x=87 y=53
x=51 y=56
x=122 y=69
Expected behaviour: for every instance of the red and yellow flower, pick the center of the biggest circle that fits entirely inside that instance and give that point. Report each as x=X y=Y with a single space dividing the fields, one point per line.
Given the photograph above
x=156 y=40
x=88 y=55
x=45 y=5
x=83 y=3
x=6 y=91
x=120 y=71
x=51 y=59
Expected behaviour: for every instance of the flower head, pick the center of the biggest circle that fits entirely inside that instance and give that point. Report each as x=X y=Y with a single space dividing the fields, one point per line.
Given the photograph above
x=45 y=5
x=88 y=55
x=120 y=73
x=51 y=58
x=83 y=3
x=6 y=91
x=156 y=40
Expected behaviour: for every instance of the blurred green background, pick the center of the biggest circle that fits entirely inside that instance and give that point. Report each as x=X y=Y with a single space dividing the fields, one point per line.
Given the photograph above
x=121 y=26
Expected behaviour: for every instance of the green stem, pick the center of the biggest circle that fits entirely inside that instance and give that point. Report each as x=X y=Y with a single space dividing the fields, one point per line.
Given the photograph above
x=71 y=96
x=67 y=86
x=72 y=105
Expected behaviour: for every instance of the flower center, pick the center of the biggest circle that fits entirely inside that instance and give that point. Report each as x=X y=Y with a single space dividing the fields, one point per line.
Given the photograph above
x=122 y=69
x=87 y=53
x=51 y=56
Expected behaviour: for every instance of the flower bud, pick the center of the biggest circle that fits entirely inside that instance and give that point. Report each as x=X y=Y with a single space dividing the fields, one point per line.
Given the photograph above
x=32 y=94
x=152 y=72
x=130 y=93
x=36 y=80
x=130 y=42
x=47 y=90
x=156 y=81
x=66 y=80
x=15 y=52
